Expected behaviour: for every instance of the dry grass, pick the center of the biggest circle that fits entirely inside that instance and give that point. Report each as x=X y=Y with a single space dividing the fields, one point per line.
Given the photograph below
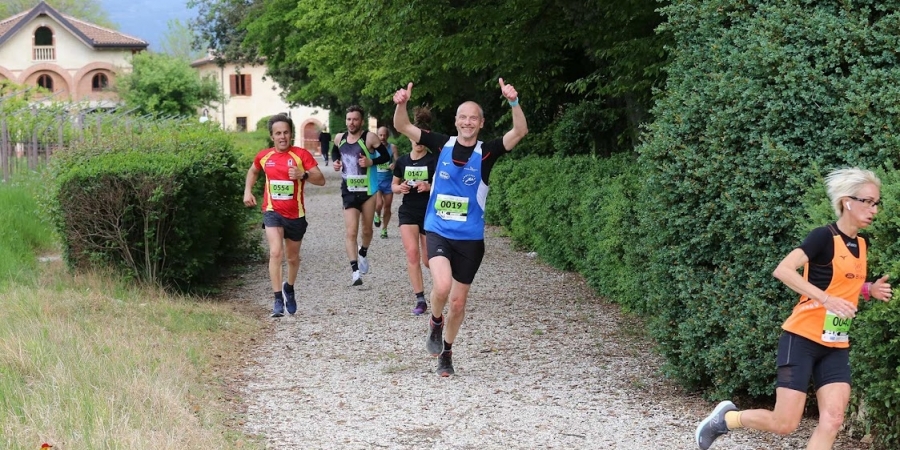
x=86 y=362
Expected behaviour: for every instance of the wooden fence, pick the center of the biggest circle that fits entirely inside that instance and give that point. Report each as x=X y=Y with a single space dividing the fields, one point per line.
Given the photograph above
x=30 y=146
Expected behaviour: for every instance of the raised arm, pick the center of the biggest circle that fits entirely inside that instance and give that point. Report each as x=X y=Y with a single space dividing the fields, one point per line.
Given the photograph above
x=401 y=115
x=520 y=125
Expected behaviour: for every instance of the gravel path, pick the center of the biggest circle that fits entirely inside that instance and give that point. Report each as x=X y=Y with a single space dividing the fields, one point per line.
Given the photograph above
x=541 y=361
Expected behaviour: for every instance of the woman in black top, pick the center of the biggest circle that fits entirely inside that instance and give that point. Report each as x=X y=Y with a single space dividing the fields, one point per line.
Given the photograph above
x=412 y=178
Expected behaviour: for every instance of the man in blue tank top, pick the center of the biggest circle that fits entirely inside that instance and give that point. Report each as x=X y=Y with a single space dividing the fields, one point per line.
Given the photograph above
x=454 y=220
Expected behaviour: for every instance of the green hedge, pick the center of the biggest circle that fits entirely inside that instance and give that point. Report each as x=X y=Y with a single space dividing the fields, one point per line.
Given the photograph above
x=162 y=203
x=762 y=99
x=577 y=213
x=589 y=215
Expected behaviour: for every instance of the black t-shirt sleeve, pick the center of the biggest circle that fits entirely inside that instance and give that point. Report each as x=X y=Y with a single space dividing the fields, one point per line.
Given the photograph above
x=491 y=151
x=400 y=166
x=434 y=141
x=335 y=152
x=819 y=246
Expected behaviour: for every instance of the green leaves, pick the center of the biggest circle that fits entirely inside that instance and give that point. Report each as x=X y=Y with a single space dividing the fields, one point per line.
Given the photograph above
x=165 y=85
x=762 y=99
x=160 y=203
x=555 y=52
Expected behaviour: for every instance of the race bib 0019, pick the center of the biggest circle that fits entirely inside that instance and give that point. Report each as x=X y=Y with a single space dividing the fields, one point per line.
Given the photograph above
x=451 y=207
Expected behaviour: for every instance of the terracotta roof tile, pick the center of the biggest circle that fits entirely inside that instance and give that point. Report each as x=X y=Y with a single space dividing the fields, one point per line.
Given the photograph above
x=104 y=36
x=9 y=22
x=96 y=36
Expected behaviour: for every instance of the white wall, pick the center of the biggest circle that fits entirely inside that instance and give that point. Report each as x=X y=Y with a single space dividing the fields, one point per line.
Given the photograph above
x=265 y=100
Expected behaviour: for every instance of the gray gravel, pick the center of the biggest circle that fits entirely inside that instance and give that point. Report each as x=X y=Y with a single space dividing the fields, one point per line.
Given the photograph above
x=541 y=361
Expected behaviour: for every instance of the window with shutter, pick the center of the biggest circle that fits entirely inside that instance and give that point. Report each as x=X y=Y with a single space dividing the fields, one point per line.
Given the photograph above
x=240 y=85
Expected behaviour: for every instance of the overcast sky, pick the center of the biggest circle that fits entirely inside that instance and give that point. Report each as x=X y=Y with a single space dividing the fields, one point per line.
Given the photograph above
x=146 y=19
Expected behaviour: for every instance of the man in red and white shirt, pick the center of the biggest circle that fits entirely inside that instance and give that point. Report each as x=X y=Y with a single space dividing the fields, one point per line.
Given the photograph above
x=287 y=169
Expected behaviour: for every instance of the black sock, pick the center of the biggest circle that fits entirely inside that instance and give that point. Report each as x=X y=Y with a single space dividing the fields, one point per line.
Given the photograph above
x=289 y=288
x=278 y=296
x=437 y=320
x=420 y=296
x=354 y=266
x=363 y=251
x=447 y=347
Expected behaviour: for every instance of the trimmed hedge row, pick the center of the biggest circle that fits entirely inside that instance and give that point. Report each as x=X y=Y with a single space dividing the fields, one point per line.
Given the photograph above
x=601 y=218
x=762 y=99
x=578 y=214
x=162 y=203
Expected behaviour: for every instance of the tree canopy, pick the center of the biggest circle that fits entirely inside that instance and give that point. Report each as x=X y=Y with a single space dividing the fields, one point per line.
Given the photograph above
x=165 y=85
x=178 y=41
x=557 y=53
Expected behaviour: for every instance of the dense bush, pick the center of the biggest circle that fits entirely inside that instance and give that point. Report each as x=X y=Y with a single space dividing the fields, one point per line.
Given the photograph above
x=589 y=127
x=740 y=127
x=577 y=213
x=163 y=203
x=762 y=100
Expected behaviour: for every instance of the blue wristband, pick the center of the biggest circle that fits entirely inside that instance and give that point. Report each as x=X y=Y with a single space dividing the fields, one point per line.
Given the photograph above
x=514 y=102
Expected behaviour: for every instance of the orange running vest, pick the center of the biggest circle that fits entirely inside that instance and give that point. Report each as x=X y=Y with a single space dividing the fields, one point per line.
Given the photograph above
x=812 y=320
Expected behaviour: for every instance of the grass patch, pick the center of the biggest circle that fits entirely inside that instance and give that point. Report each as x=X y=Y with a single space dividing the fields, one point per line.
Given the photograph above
x=26 y=232
x=88 y=362
x=93 y=361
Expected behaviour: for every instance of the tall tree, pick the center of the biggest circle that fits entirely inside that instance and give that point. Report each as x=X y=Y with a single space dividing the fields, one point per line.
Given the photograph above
x=87 y=10
x=165 y=85
x=178 y=41
x=556 y=52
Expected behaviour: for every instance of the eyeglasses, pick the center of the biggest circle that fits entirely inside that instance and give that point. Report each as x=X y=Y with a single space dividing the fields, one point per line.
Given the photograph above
x=868 y=201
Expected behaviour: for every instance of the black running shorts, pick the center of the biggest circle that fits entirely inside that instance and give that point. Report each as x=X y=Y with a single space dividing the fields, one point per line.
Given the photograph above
x=354 y=199
x=294 y=229
x=465 y=256
x=412 y=216
x=800 y=358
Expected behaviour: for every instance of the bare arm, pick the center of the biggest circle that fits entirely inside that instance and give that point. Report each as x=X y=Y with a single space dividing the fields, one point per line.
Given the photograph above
x=401 y=116
x=396 y=155
x=398 y=186
x=316 y=176
x=787 y=273
x=520 y=125
x=252 y=175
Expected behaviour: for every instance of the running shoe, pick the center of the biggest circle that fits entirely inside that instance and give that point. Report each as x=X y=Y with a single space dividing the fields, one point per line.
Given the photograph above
x=445 y=364
x=278 y=308
x=713 y=425
x=377 y=220
x=357 y=278
x=420 y=308
x=363 y=264
x=384 y=233
x=290 y=302
x=435 y=341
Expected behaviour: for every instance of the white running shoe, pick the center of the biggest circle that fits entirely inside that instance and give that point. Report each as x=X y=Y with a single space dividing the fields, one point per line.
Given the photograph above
x=363 y=264
x=357 y=278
